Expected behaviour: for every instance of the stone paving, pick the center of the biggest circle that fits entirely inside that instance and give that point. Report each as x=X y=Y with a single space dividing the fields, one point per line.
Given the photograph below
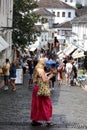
x=69 y=108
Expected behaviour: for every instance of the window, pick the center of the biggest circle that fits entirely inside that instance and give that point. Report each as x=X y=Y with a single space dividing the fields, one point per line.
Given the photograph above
x=63 y=14
x=63 y=32
x=69 y=14
x=42 y=39
x=53 y=12
x=58 y=14
x=45 y=38
x=52 y=35
x=58 y=32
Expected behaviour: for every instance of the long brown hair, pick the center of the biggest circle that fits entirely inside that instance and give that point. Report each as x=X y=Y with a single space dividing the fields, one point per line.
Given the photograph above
x=41 y=63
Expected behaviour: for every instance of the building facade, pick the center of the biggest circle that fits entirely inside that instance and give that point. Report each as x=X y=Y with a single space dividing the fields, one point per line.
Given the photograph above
x=56 y=12
x=74 y=2
x=79 y=32
x=6 y=18
x=62 y=11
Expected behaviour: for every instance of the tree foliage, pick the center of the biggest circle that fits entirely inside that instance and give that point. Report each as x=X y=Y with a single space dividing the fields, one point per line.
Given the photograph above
x=24 y=20
x=78 y=6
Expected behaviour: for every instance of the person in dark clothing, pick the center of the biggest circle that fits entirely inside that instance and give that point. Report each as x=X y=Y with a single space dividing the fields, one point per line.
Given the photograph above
x=73 y=74
x=35 y=62
x=13 y=75
x=31 y=69
x=53 y=79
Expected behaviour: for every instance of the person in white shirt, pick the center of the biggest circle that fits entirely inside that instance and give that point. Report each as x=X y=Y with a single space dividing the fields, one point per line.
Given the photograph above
x=68 y=71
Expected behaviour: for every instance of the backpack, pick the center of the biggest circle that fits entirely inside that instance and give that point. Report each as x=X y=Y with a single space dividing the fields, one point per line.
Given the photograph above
x=74 y=69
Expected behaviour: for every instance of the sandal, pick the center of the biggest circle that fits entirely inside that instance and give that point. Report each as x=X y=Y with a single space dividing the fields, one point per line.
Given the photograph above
x=35 y=123
x=50 y=124
x=14 y=90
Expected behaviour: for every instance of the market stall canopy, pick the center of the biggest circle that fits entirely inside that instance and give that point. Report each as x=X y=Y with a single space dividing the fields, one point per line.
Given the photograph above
x=61 y=55
x=3 y=44
x=78 y=54
x=33 y=49
x=67 y=51
x=45 y=48
x=34 y=46
x=59 y=52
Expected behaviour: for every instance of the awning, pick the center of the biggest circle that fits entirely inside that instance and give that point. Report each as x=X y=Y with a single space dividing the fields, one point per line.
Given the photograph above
x=45 y=48
x=3 y=44
x=61 y=55
x=59 y=52
x=33 y=49
x=69 y=49
x=78 y=53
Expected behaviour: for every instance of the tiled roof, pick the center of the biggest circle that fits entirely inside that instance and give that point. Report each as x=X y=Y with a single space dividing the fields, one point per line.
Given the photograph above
x=80 y=19
x=82 y=11
x=64 y=25
x=44 y=12
x=53 y=4
x=38 y=28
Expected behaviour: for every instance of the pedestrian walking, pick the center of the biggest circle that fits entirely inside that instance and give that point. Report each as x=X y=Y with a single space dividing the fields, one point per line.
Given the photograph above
x=41 y=107
x=53 y=79
x=68 y=72
x=13 y=75
x=31 y=69
x=60 y=70
x=24 y=66
x=73 y=74
x=6 y=72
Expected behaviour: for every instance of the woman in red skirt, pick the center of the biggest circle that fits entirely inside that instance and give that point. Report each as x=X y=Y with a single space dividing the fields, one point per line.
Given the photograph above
x=41 y=107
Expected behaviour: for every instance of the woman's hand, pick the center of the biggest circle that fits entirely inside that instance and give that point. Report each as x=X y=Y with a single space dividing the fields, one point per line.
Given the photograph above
x=50 y=76
x=48 y=73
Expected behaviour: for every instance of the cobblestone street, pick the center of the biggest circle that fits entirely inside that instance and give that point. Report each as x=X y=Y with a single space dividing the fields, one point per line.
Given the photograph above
x=69 y=108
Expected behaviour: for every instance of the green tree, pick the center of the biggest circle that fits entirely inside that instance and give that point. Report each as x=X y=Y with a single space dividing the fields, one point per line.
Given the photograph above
x=24 y=20
x=78 y=6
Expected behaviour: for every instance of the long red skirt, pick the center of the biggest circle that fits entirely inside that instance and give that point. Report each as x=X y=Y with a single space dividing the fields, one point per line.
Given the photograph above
x=41 y=107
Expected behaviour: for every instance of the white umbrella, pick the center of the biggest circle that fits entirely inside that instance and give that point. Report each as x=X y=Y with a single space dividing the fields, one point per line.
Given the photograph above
x=33 y=49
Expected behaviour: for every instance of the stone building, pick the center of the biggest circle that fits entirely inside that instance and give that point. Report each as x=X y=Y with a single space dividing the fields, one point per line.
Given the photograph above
x=6 y=18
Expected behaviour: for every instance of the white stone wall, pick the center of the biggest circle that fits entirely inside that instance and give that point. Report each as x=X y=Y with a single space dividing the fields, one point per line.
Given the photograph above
x=80 y=30
x=80 y=34
x=43 y=39
x=63 y=19
x=84 y=2
x=73 y=3
x=6 y=18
